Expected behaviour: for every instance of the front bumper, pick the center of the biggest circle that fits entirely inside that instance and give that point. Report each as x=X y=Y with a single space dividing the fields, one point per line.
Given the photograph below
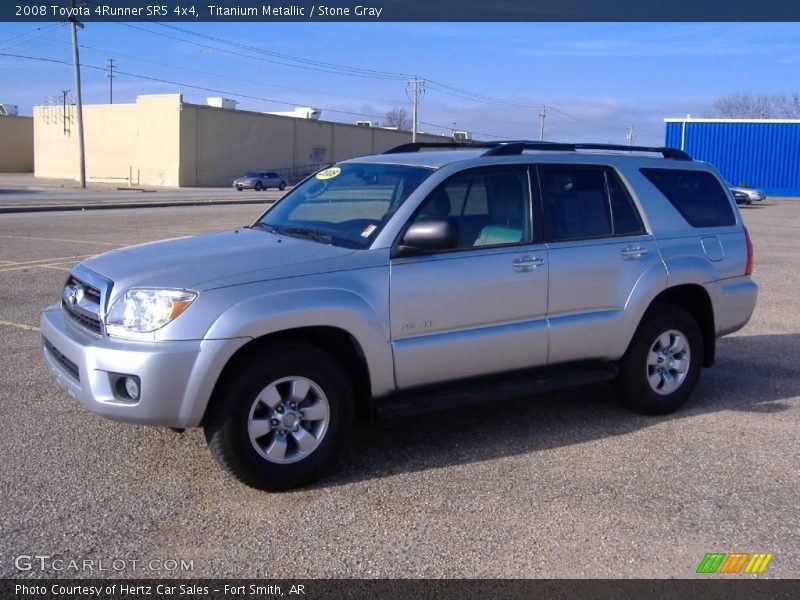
x=244 y=186
x=177 y=378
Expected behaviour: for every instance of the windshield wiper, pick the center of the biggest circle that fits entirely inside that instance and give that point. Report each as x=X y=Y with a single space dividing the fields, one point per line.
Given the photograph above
x=317 y=236
x=263 y=227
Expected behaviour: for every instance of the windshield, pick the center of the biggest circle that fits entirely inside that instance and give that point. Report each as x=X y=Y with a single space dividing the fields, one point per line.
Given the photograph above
x=345 y=205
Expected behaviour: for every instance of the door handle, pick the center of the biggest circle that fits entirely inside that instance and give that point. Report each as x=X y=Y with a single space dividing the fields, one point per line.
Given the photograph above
x=527 y=263
x=631 y=252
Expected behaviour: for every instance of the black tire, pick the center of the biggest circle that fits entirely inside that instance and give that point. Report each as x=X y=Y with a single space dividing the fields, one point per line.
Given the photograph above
x=282 y=186
x=226 y=425
x=239 y=188
x=633 y=384
x=258 y=187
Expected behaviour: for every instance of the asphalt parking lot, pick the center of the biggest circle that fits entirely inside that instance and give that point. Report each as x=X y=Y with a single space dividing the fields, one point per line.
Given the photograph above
x=563 y=485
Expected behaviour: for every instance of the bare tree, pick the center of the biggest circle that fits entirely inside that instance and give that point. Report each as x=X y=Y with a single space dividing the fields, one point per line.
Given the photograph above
x=397 y=117
x=744 y=105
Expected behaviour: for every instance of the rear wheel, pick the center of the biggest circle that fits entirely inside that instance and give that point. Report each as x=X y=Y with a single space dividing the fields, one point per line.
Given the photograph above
x=282 y=420
x=282 y=186
x=662 y=365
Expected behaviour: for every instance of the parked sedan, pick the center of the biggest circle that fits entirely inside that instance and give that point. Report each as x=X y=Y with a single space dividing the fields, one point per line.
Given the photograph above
x=746 y=195
x=260 y=180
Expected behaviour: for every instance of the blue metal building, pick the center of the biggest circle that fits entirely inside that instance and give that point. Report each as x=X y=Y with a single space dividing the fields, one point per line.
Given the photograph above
x=762 y=153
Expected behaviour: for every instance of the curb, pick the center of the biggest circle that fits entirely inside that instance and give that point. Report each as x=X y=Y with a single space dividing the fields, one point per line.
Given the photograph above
x=32 y=208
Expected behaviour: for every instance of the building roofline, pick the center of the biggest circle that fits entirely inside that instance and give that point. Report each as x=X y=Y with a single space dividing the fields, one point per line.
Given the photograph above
x=693 y=120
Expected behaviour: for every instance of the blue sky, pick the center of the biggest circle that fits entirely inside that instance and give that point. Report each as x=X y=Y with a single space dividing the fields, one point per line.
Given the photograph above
x=598 y=78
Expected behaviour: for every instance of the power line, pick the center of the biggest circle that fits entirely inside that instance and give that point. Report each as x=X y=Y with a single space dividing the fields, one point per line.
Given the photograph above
x=339 y=69
x=27 y=38
x=292 y=61
x=187 y=85
x=223 y=75
x=213 y=73
x=223 y=92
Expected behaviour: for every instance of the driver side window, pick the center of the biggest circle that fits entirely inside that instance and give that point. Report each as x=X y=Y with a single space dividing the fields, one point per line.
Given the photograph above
x=491 y=207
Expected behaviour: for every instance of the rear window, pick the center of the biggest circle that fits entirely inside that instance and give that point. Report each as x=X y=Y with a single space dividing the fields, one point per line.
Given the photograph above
x=697 y=195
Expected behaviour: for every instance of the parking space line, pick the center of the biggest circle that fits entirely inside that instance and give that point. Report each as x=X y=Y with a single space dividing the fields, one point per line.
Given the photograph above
x=29 y=237
x=175 y=231
x=54 y=267
x=21 y=267
x=40 y=263
x=19 y=325
x=55 y=259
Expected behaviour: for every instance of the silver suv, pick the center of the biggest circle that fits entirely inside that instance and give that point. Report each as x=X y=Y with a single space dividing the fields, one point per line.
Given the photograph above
x=427 y=277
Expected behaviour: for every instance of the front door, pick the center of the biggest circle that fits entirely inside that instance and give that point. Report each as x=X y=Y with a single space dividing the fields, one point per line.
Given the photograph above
x=480 y=308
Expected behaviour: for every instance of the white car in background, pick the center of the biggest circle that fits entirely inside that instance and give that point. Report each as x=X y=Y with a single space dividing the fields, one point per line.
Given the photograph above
x=260 y=180
x=746 y=195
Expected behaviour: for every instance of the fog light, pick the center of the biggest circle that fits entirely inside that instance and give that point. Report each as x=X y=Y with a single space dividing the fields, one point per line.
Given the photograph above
x=131 y=387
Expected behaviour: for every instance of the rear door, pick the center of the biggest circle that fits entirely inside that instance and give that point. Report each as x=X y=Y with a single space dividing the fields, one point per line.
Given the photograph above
x=482 y=307
x=598 y=250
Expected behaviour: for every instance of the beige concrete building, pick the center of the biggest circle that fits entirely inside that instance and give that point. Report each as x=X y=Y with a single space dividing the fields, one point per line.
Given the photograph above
x=163 y=141
x=16 y=144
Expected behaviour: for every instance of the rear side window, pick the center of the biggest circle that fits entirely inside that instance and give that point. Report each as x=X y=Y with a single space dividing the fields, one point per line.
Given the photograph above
x=584 y=202
x=697 y=195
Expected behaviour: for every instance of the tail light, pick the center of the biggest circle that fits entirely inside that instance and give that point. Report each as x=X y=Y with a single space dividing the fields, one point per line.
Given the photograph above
x=748 y=269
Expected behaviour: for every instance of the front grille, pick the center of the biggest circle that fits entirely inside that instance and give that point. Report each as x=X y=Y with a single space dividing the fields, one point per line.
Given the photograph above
x=86 y=310
x=69 y=366
x=90 y=323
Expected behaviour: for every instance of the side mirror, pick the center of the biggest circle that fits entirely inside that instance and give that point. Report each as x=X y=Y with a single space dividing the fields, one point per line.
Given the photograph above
x=428 y=235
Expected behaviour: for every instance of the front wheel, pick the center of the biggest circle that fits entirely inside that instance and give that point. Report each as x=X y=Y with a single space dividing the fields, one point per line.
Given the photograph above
x=282 y=420
x=662 y=365
x=258 y=187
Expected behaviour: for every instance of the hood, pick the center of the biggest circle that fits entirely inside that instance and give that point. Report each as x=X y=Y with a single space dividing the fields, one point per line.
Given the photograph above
x=214 y=260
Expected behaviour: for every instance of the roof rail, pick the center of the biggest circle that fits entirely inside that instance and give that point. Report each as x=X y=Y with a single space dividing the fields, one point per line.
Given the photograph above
x=417 y=146
x=510 y=148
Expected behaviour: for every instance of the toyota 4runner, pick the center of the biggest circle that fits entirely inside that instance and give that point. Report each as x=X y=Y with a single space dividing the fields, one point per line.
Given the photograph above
x=426 y=277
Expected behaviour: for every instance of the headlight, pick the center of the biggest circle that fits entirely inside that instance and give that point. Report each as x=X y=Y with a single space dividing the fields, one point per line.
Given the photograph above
x=145 y=310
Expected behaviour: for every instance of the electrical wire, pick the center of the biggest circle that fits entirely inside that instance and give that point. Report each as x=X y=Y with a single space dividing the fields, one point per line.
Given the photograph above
x=186 y=85
x=18 y=44
x=292 y=61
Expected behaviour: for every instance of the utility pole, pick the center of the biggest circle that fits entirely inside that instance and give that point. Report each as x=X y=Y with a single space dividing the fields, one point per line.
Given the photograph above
x=631 y=135
x=111 y=76
x=417 y=87
x=79 y=105
x=542 y=117
x=65 y=120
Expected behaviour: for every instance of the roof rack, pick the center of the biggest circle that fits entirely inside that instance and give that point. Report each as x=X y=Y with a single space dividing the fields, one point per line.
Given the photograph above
x=417 y=146
x=511 y=147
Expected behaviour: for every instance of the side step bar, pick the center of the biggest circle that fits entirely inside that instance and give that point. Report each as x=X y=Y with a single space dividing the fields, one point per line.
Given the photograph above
x=474 y=391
